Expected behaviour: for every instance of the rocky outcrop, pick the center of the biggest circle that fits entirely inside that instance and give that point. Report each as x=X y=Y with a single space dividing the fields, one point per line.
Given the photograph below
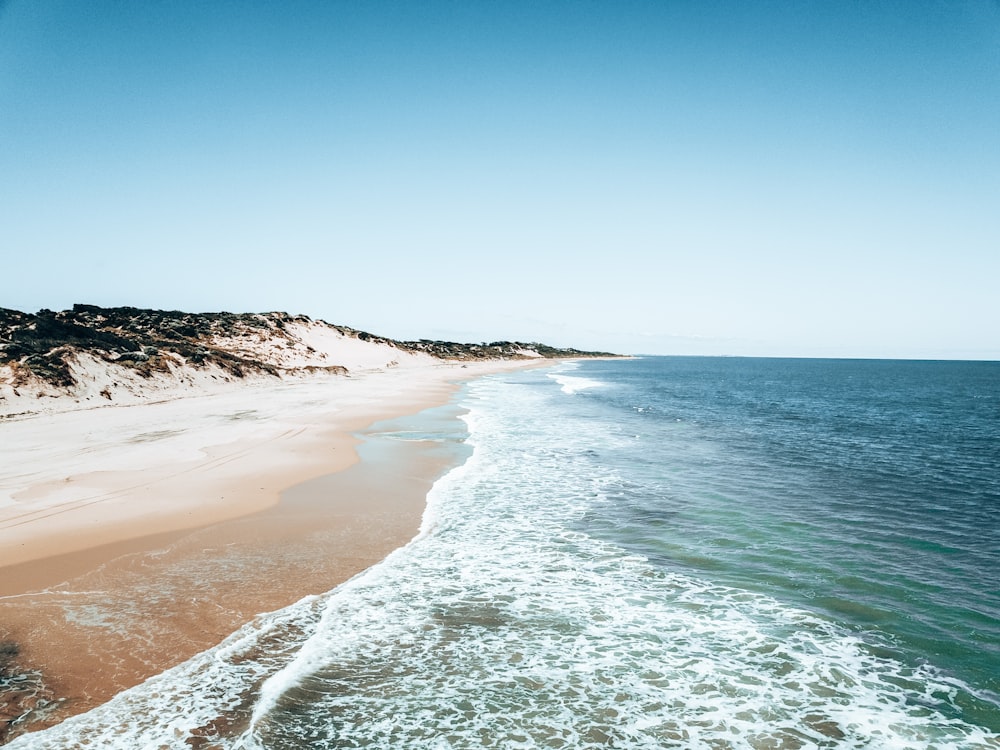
x=44 y=344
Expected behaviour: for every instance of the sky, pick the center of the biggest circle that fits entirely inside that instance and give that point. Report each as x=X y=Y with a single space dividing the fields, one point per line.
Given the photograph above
x=797 y=178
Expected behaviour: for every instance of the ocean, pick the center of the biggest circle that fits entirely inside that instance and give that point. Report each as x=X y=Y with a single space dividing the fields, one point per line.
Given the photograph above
x=663 y=552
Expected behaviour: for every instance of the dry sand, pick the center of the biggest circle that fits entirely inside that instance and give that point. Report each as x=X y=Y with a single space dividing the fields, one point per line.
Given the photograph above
x=133 y=537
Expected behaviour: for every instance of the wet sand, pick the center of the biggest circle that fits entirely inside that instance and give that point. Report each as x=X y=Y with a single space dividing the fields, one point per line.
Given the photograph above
x=79 y=627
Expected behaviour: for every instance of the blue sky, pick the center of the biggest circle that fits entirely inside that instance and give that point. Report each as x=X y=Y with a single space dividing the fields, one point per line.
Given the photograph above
x=775 y=178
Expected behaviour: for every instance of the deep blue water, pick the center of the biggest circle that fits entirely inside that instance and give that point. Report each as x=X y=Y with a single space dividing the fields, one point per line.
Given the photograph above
x=652 y=553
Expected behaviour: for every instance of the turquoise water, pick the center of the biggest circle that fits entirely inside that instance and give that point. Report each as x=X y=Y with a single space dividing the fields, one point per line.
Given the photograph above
x=655 y=553
x=866 y=491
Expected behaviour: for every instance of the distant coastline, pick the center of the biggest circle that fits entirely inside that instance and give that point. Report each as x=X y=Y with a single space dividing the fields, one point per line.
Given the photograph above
x=92 y=356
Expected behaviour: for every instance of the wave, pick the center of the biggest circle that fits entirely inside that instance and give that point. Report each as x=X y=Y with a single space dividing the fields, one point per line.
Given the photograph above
x=571 y=384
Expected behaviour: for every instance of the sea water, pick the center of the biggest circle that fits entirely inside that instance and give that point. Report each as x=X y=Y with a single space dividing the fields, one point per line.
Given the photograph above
x=649 y=553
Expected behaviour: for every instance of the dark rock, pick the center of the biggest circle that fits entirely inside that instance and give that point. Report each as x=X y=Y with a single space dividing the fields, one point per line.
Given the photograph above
x=132 y=357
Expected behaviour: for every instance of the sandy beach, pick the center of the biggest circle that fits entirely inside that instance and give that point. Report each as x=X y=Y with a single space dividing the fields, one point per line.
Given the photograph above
x=133 y=537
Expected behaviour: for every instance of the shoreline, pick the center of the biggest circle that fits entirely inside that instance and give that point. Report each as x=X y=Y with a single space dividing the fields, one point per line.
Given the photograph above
x=73 y=478
x=284 y=510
